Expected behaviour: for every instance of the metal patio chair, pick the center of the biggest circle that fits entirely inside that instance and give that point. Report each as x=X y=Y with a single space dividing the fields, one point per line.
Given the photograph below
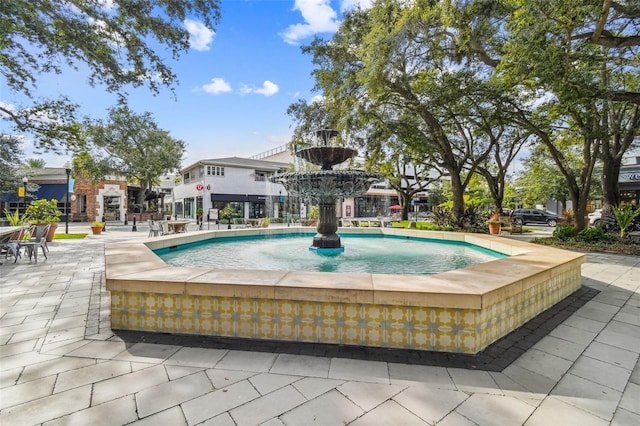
x=38 y=239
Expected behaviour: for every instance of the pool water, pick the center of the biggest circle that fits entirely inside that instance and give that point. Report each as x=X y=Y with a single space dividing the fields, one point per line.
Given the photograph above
x=371 y=254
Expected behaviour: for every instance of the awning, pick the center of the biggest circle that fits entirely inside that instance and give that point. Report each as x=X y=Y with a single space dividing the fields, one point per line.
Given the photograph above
x=238 y=198
x=46 y=190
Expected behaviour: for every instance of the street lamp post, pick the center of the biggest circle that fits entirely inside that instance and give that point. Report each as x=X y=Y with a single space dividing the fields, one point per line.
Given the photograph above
x=67 y=169
x=24 y=185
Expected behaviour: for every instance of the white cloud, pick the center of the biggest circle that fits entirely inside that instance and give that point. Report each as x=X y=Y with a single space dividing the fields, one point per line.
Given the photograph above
x=217 y=86
x=200 y=36
x=352 y=4
x=268 y=89
x=318 y=17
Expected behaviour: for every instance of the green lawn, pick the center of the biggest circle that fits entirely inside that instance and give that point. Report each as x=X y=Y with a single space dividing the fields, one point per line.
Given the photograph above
x=59 y=236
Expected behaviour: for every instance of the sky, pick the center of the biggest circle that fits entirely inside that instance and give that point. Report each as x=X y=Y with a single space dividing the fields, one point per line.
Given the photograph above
x=235 y=82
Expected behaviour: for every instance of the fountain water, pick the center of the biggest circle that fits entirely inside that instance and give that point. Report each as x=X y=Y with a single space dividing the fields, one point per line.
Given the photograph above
x=326 y=186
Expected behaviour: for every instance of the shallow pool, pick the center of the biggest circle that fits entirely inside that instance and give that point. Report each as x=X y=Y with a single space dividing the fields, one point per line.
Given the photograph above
x=370 y=254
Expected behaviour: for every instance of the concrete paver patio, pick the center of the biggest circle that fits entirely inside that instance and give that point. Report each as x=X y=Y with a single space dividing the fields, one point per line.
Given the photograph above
x=60 y=363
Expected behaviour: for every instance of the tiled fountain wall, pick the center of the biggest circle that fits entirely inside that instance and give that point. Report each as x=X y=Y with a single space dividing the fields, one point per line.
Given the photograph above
x=458 y=311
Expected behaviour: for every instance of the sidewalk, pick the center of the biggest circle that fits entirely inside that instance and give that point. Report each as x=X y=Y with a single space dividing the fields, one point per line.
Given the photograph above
x=60 y=363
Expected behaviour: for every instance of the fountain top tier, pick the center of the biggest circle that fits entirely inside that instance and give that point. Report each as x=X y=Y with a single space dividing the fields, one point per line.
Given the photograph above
x=323 y=154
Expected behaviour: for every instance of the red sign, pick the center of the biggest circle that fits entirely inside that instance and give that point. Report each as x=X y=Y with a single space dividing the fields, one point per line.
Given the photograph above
x=199 y=187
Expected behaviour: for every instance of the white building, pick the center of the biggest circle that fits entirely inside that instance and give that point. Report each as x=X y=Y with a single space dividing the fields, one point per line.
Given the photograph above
x=212 y=184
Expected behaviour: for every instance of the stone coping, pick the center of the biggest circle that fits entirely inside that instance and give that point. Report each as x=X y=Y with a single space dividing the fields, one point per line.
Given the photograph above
x=133 y=267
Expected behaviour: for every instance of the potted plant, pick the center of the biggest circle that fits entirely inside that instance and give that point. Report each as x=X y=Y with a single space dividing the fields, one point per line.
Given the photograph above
x=265 y=222
x=15 y=219
x=495 y=224
x=96 y=227
x=312 y=217
x=199 y=212
x=45 y=211
x=227 y=213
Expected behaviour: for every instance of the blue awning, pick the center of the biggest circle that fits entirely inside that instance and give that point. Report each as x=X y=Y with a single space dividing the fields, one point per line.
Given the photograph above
x=46 y=190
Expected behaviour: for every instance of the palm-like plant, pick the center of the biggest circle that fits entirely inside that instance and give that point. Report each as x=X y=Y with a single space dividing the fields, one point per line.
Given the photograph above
x=625 y=215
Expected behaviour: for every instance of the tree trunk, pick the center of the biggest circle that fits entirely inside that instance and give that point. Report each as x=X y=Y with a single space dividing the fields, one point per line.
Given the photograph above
x=610 y=188
x=458 y=196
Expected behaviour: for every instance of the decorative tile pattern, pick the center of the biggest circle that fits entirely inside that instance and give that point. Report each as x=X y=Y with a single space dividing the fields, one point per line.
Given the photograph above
x=408 y=327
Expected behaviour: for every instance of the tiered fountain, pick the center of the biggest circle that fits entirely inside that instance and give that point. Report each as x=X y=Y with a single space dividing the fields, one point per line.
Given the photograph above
x=326 y=186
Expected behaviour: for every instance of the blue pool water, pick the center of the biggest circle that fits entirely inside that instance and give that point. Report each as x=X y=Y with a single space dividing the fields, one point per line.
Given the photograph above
x=371 y=254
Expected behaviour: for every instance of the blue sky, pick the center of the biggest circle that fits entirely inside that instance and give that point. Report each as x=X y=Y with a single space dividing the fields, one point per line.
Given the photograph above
x=235 y=84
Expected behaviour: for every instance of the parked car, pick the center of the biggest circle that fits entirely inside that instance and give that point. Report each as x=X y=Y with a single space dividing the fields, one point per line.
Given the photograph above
x=595 y=216
x=524 y=216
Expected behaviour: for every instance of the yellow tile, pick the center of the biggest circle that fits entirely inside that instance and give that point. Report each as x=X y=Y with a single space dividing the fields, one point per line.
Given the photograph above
x=308 y=333
x=245 y=328
x=225 y=305
x=265 y=307
x=330 y=311
x=421 y=316
x=205 y=326
x=397 y=338
x=374 y=336
x=205 y=304
x=150 y=322
x=420 y=340
x=168 y=302
x=187 y=325
x=133 y=301
x=116 y=319
x=351 y=311
x=266 y=330
x=245 y=306
x=397 y=314
x=286 y=331
x=329 y=334
x=374 y=313
x=225 y=328
x=117 y=299
x=351 y=335
x=307 y=310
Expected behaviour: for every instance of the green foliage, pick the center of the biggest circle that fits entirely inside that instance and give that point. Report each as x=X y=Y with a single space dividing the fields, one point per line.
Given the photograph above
x=15 y=219
x=314 y=212
x=121 y=44
x=63 y=236
x=595 y=233
x=132 y=145
x=10 y=158
x=227 y=212
x=98 y=224
x=43 y=211
x=443 y=216
x=564 y=232
x=625 y=215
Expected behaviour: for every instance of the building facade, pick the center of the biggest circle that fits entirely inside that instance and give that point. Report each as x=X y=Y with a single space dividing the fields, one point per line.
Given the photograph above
x=207 y=186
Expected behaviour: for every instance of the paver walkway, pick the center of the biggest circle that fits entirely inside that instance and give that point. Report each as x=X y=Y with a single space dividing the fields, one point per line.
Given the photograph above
x=61 y=364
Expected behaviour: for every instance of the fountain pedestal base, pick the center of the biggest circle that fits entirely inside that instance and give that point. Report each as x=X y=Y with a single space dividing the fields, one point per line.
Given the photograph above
x=327 y=241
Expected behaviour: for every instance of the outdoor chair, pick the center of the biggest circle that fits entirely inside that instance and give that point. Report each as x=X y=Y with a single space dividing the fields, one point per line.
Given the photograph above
x=11 y=246
x=162 y=226
x=38 y=239
x=154 y=229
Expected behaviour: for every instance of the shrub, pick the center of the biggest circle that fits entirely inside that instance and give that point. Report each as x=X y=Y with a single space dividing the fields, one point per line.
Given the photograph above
x=564 y=232
x=625 y=216
x=443 y=216
x=43 y=211
x=595 y=233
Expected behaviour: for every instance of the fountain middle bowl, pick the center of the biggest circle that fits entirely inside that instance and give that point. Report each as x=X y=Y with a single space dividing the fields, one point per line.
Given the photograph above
x=323 y=184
